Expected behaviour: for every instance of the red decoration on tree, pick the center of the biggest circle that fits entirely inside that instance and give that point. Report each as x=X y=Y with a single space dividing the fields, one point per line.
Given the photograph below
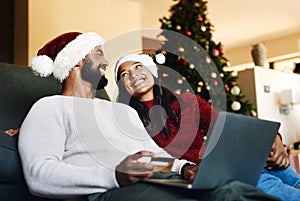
x=215 y=52
x=227 y=89
x=188 y=32
x=183 y=61
x=221 y=51
x=182 y=2
x=200 y=18
x=214 y=82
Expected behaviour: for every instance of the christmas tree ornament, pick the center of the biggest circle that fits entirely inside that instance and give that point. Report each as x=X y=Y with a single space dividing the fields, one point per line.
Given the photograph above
x=235 y=90
x=199 y=89
x=221 y=51
x=182 y=2
x=253 y=113
x=215 y=52
x=214 y=82
x=183 y=62
x=203 y=28
x=227 y=89
x=188 y=32
x=177 y=91
x=221 y=75
x=207 y=60
x=234 y=73
x=213 y=74
x=192 y=66
x=199 y=18
x=181 y=49
x=197 y=5
x=179 y=81
x=236 y=106
x=165 y=75
x=169 y=25
x=178 y=27
x=160 y=58
x=200 y=83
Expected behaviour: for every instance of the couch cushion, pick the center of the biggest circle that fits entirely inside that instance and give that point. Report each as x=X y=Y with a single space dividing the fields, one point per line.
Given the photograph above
x=12 y=183
x=19 y=89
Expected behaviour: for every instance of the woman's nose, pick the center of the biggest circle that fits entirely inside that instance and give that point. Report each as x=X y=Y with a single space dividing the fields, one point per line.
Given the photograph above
x=132 y=74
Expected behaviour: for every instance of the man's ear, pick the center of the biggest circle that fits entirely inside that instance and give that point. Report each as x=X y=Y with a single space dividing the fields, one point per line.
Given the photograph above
x=80 y=64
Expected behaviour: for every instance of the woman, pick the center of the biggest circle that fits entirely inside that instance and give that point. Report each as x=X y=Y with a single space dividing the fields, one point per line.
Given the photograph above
x=178 y=122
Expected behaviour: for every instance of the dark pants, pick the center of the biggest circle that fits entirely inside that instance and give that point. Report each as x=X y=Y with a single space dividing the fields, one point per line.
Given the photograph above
x=148 y=192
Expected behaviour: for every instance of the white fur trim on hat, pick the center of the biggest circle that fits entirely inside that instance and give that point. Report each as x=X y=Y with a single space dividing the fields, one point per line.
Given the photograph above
x=74 y=52
x=143 y=58
x=42 y=65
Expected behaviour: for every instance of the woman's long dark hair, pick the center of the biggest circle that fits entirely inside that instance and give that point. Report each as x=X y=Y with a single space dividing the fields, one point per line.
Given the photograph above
x=163 y=97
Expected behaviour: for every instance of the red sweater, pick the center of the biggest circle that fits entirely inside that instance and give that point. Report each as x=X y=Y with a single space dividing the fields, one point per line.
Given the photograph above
x=185 y=142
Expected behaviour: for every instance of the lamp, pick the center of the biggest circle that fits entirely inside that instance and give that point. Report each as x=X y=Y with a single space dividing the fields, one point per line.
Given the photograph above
x=288 y=98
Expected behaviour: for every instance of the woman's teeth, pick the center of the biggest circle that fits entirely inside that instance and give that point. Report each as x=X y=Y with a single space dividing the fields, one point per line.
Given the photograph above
x=138 y=82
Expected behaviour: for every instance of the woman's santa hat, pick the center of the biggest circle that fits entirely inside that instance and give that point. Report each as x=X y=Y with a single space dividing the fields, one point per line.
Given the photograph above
x=145 y=59
x=64 y=52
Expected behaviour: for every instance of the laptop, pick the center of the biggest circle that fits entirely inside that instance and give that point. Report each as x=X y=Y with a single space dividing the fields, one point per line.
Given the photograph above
x=236 y=149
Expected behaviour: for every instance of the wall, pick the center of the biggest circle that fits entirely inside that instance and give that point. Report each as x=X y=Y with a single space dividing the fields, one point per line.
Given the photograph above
x=7 y=31
x=110 y=19
x=253 y=82
x=277 y=47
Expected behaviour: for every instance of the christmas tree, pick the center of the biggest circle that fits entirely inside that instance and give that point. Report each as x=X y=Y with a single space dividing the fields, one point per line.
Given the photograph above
x=189 y=18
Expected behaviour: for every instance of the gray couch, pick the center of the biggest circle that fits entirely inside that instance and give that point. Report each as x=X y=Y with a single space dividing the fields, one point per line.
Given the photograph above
x=19 y=89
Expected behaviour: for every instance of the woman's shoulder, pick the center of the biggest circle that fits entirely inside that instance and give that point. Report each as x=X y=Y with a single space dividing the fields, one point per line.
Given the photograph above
x=190 y=96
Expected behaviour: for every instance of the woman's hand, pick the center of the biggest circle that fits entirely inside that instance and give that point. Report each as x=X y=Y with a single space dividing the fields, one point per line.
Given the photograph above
x=278 y=158
x=130 y=170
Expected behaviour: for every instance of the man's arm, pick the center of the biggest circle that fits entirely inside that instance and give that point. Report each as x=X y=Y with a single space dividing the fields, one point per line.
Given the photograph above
x=42 y=145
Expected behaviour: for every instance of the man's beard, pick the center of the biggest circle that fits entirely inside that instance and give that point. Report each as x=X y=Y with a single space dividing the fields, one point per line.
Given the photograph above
x=92 y=76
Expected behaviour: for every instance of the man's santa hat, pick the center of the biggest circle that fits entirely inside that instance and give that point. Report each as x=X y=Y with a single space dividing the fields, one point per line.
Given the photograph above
x=64 y=52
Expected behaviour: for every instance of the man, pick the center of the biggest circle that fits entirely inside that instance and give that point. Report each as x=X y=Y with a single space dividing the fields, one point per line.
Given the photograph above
x=73 y=144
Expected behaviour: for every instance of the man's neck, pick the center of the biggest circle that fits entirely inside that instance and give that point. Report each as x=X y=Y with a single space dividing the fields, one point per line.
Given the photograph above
x=77 y=88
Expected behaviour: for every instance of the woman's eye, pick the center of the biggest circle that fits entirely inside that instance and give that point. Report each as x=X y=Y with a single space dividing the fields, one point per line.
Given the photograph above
x=138 y=66
x=124 y=75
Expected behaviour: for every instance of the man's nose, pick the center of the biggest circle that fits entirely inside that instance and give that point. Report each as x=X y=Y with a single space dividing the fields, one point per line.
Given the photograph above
x=105 y=62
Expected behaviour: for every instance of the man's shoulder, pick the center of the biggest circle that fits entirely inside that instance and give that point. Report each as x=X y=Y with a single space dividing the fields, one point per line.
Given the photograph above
x=48 y=100
x=115 y=105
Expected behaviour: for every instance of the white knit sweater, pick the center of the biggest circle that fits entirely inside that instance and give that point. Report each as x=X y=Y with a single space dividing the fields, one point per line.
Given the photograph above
x=70 y=146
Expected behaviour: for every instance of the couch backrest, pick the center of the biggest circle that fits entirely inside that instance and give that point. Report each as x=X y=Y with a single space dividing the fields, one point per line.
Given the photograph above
x=19 y=89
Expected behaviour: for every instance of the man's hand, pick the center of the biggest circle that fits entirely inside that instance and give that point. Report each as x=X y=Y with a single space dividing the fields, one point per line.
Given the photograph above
x=12 y=132
x=278 y=158
x=189 y=172
x=130 y=170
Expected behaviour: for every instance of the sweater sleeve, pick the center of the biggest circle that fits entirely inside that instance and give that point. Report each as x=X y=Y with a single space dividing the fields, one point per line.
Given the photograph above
x=42 y=145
